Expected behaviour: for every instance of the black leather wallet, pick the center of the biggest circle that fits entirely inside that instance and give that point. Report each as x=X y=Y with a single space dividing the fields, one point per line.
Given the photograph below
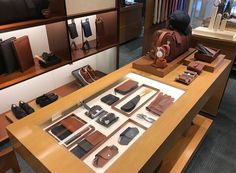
x=86 y=27
x=8 y=55
x=73 y=30
x=109 y=99
x=108 y=119
x=61 y=132
x=128 y=135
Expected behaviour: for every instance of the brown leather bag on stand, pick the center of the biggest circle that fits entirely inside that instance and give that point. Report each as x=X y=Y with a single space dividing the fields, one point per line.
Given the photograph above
x=178 y=42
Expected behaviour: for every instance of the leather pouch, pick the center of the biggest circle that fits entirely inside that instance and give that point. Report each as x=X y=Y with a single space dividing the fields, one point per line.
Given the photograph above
x=128 y=135
x=72 y=124
x=108 y=119
x=8 y=55
x=109 y=99
x=126 y=87
x=105 y=155
x=196 y=67
x=23 y=52
x=73 y=30
x=86 y=27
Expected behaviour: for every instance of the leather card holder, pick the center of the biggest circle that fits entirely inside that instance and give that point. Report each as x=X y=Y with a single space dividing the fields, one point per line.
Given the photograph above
x=23 y=52
x=126 y=87
x=127 y=135
x=109 y=99
x=72 y=123
x=95 y=138
x=105 y=155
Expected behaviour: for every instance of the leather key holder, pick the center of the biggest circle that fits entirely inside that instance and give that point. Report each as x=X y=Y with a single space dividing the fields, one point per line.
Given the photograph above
x=126 y=87
x=128 y=135
x=105 y=155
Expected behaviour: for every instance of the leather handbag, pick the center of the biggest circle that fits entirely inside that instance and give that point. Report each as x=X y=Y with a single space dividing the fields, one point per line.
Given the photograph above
x=105 y=155
x=8 y=56
x=178 y=42
x=73 y=30
x=86 y=27
x=20 y=10
x=23 y=52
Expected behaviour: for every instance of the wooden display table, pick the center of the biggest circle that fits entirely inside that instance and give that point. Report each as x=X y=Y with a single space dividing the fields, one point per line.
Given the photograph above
x=44 y=153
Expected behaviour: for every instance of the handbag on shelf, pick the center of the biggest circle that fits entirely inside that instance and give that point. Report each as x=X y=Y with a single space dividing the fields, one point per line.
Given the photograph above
x=20 y=10
x=86 y=27
x=73 y=30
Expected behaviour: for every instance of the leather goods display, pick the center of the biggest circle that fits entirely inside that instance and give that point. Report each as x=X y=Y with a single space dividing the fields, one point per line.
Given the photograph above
x=178 y=42
x=88 y=144
x=72 y=30
x=126 y=87
x=109 y=99
x=196 y=67
x=46 y=99
x=86 y=27
x=100 y=30
x=187 y=77
x=108 y=119
x=160 y=104
x=94 y=111
x=206 y=54
x=106 y=154
x=23 y=52
x=127 y=135
x=48 y=59
x=72 y=123
x=8 y=56
x=20 y=10
x=130 y=105
x=60 y=132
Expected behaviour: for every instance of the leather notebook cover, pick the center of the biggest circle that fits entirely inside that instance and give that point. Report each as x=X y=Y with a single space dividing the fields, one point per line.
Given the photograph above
x=24 y=52
x=8 y=55
x=72 y=124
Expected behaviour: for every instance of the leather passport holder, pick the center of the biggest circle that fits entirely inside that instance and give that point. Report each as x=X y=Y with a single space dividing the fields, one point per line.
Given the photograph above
x=105 y=155
x=126 y=87
x=86 y=27
x=23 y=52
x=128 y=135
x=8 y=55
x=95 y=138
x=196 y=67
x=109 y=99
x=72 y=124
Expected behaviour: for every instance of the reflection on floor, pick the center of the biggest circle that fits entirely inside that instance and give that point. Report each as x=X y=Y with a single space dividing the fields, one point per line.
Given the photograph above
x=130 y=51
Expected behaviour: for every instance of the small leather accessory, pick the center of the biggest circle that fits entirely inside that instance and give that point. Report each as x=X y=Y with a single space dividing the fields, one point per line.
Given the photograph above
x=94 y=111
x=108 y=119
x=8 y=55
x=105 y=155
x=26 y=107
x=86 y=27
x=160 y=104
x=126 y=87
x=48 y=59
x=109 y=99
x=18 y=112
x=127 y=135
x=187 y=77
x=72 y=123
x=72 y=29
x=46 y=99
x=95 y=138
x=130 y=105
x=23 y=52
x=196 y=67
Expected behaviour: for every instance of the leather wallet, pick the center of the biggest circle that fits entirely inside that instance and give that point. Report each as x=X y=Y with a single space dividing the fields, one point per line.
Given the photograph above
x=109 y=99
x=72 y=123
x=105 y=155
x=126 y=87
x=86 y=27
x=187 y=77
x=128 y=135
x=72 y=30
x=8 y=55
x=196 y=67
x=95 y=138
x=23 y=52
x=108 y=119
x=61 y=132
x=160 y=104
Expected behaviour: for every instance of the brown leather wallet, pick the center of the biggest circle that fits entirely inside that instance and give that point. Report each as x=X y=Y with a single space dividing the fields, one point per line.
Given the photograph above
x=126 y=87
x=196 y=67
x=23 y=52
x=187 y=77
x=105 y=155
x=160 y=104
x=72 y=124
x=95 y=138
